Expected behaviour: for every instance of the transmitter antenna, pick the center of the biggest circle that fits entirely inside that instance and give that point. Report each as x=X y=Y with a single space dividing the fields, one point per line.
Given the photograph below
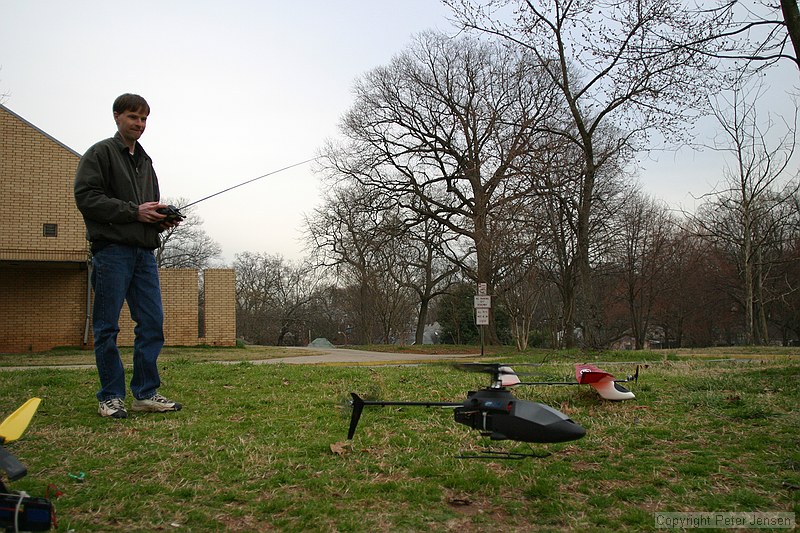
x=250 y=181
x=173 y=213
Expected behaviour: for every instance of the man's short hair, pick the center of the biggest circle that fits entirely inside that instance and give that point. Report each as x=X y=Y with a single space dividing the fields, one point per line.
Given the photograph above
x=130 y=102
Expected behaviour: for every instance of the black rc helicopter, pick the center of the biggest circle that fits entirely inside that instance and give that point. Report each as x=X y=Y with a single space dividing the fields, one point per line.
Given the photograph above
x=495 y=411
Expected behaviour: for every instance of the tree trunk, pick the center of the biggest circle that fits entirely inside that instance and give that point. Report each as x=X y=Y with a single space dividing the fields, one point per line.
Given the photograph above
x=484 y=273
x=568 y=321
x=748 y=292
x=422 y=318
x=791 y=16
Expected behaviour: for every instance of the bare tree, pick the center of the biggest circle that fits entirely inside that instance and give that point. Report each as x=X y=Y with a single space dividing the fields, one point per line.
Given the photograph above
x=451 y=129
x=741 y=215
x=617 y=75
x=274 y=298
x=423 y=265
x=3 y=95
x=295 y=295
x=555 y=221
x=785 y=309
x=760 y=33
x=646 y=229
x=355 y=234
x=257 y=277
x=521 y=300
x=187 y=245
x=522 y=237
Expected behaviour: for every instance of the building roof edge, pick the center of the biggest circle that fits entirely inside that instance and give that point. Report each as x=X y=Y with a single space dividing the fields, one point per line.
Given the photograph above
x=40 y=130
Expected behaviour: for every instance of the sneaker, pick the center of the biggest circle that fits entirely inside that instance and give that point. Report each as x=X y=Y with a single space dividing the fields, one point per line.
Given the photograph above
x=114 y=408
x=155 y=404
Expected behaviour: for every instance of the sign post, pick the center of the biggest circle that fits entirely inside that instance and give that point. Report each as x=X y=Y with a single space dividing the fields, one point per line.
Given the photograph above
x=482 y=303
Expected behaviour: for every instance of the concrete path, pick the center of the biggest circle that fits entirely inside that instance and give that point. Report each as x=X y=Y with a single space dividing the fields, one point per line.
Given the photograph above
x=345 y=355
x=316 y=356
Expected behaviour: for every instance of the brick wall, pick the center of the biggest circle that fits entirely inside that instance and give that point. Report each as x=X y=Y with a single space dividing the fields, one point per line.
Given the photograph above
x=41 y=307
x=180 y=297
x=43 y=279
x=36 y=174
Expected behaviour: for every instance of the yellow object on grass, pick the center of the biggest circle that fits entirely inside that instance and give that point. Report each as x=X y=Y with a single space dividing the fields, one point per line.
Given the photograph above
x=15 y=424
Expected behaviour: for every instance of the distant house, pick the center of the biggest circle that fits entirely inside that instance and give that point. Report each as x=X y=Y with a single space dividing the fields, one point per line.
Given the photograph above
x=45 y=294
x=627 y=342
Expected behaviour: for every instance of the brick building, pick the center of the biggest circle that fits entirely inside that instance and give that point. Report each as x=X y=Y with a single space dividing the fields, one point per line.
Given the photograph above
x=45 y=293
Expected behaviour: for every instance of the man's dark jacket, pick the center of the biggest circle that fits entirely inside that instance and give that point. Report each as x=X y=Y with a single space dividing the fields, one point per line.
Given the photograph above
x=110 y=183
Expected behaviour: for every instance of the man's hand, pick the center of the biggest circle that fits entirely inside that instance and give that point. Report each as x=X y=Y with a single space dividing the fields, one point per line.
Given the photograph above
x=148 y=213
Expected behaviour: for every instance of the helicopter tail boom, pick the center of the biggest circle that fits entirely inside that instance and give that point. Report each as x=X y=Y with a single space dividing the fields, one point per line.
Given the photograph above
x=358 y=404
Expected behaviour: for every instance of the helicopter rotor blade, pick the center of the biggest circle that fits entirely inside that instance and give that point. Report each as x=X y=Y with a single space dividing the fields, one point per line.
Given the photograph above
x=548 y=383
x=17 y=422
x=488 y=368
x=501 y=369
x=495 y=368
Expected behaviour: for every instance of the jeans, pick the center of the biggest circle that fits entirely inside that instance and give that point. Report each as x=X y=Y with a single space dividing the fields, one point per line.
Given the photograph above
x=129 y=273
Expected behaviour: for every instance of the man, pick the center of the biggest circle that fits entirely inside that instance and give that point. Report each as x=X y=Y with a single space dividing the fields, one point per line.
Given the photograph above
x=116 y=191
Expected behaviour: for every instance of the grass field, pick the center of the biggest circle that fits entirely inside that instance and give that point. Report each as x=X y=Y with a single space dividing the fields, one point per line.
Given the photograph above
x=263 y=447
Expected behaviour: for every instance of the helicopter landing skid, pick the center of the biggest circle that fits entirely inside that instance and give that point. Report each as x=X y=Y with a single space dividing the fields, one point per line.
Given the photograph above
x=507 y=456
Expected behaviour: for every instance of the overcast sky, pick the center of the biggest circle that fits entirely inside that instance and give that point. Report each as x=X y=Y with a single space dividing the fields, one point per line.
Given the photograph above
x=238 y=89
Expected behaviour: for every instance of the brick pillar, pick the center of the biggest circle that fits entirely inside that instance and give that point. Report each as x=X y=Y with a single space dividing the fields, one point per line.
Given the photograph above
x=220 y=307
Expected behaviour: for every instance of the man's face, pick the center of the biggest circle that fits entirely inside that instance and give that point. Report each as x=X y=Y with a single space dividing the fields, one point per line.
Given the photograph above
x=131 y=124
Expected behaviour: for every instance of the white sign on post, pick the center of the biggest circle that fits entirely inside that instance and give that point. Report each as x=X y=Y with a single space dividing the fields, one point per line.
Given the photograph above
x=483 y=302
